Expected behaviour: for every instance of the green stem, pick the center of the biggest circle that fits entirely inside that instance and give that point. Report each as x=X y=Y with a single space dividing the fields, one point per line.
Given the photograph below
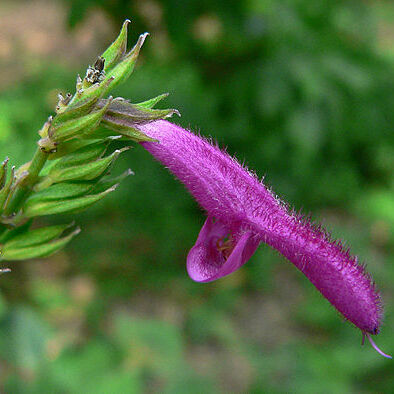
x=23 y=190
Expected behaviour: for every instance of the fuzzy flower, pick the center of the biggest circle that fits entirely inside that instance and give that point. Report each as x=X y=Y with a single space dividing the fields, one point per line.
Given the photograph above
x=242 y=213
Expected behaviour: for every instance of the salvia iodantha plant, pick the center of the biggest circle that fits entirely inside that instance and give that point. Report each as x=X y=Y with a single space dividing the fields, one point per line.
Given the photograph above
x=69 y=171
x=241 y=211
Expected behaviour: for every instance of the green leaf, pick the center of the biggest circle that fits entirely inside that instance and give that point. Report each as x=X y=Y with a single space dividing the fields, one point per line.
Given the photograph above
x=42 y=250
x=27 y=337
x=36 y=237
x=41 y=208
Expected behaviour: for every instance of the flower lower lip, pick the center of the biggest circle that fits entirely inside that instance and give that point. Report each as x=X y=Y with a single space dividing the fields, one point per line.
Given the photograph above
x=207 y=262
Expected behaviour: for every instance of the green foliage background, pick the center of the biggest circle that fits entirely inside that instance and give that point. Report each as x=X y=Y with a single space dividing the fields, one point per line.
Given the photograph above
x=303 y=92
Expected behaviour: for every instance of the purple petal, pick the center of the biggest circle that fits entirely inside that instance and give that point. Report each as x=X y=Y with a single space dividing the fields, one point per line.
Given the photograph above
x=234 y=196
x=213 y=257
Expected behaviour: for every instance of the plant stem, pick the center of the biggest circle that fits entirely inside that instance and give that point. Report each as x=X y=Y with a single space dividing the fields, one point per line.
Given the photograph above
x=23 y=190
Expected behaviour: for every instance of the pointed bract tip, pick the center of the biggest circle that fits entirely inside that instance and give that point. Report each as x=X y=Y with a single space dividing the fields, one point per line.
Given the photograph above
x=140 y=42
x=375 y=346
x=121 y=150
x=176 y=112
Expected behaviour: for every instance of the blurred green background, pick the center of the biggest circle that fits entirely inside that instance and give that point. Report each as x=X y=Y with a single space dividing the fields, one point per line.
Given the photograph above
x=303 y=92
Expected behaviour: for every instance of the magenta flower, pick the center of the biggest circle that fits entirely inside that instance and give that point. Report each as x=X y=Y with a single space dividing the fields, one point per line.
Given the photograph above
x=242 y=212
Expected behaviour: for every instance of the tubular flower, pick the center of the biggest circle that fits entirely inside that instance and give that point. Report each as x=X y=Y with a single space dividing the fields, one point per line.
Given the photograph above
x=242 y=212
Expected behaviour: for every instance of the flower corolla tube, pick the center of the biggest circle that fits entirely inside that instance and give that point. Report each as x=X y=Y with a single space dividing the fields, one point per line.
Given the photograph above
x=242 y=212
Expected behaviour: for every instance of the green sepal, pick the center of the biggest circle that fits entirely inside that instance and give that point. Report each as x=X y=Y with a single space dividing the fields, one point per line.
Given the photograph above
x=82 y=102
x=127 y=133
x=42 y=250
x=4 y=192
x=41 y=208
x=117 y=49
x=36 y=237
x=122 y=71
x=108 y=182
x=61 y=191
x=10 y=233
x=85 y=172
x=71 y=146
x=68 y=190
x=122 y=118
x=122 y=110
x=149 y=104
x=74 y=127
x=84 y=155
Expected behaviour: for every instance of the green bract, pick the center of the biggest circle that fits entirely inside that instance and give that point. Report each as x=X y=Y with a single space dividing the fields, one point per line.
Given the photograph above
x=75 y=177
